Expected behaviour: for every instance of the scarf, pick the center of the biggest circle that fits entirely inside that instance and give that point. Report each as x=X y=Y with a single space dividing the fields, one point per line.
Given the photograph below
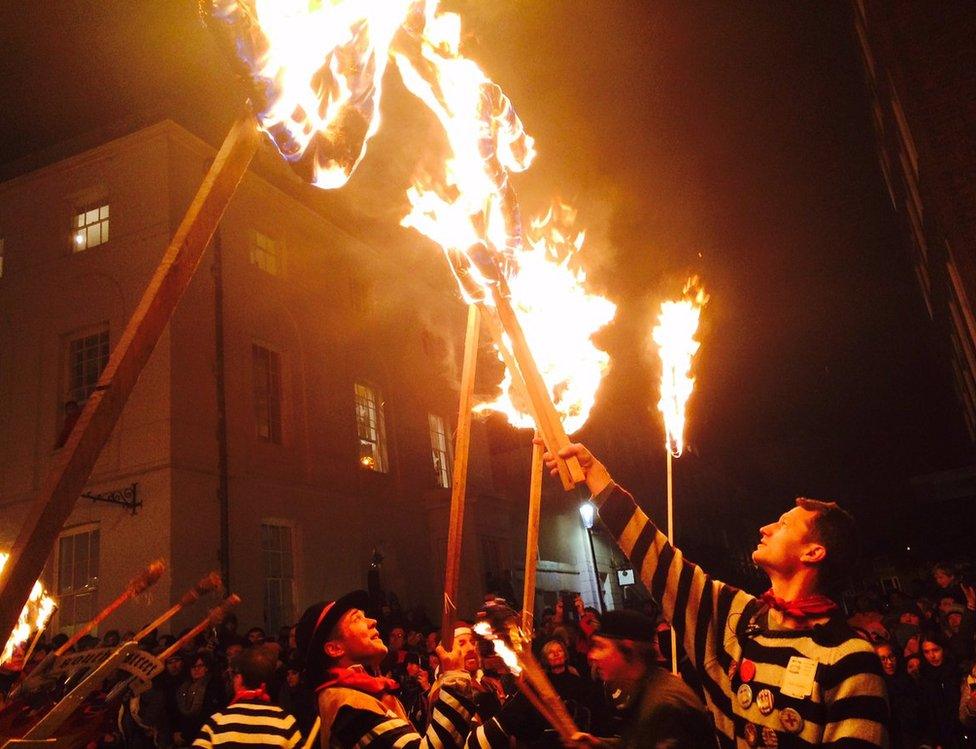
x=251 y=694
x=801 y=608
x=355 y=677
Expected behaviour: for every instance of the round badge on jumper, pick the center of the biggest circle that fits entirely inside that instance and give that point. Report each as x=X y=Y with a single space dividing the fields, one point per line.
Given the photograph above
x=752 y=734
x=769 y=737
x=764 y=700
x=747 y=670
x=744 y=695
x=792 y=721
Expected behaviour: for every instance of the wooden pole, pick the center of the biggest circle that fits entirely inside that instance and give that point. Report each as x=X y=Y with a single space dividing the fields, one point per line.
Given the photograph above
x=459 y=484
x=674 y=634
x=547 y=419
x=555 y=711
x=207 y=584
x=532 y=542
x=72 y=467
x=215 y=617
x=136 y=586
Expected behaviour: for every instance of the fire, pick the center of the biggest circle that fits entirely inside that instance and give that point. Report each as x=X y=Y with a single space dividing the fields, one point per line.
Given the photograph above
x=559 y=318
x=504 y=652
x=319 y=68
x=33 y=617
x=675 y=337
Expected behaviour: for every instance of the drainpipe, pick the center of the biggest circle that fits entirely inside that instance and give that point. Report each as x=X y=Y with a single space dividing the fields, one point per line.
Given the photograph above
x=223 y=499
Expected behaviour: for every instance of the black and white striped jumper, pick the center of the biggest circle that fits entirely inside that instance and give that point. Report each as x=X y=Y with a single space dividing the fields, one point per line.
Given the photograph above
x=253 y=724
x=353 y=719
x=847 y=706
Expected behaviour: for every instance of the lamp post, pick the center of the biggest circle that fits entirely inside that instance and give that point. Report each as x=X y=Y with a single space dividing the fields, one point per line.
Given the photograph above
x=587 y=512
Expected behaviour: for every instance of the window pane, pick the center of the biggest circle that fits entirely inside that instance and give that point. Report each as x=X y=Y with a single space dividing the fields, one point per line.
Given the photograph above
x=65 y=557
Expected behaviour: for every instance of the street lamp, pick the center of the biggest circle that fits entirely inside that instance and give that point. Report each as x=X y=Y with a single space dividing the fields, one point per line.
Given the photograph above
x=587 y=512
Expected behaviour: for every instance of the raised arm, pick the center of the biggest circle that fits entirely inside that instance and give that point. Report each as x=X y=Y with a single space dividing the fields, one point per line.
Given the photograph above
x=697 y=605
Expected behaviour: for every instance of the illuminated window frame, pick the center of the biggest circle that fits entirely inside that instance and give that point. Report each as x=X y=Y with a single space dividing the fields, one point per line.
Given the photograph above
x=86 y=356
x=89 y=228
x=266 y=253
x=266 y=365
x=77 y=577
x=371 y=428
x=440 y=450
x=278 y=563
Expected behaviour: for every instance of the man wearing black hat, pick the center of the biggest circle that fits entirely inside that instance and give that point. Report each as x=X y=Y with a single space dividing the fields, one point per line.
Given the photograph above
x=342 y=647
x=652 y=707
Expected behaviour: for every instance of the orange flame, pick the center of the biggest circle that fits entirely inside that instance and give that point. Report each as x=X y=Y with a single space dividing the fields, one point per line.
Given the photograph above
x=33 y=617
x=675 y=337
x=559 y=318
x=319 y=65
x=502 y=649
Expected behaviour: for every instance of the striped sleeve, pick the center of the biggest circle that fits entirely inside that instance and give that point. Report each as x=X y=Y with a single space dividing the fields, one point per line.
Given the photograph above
x=703 y=604
x=449 y=728
x=856 y=703
x=204 y=739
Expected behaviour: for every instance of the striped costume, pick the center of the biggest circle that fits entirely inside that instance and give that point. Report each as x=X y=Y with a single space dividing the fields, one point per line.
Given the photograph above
x=254 y=724
x=353 y=719
x=722 y=627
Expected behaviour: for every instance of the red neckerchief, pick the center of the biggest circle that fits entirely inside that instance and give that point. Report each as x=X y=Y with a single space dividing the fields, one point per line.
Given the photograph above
x=251 y=694
x=802 y=608
x=355 y=677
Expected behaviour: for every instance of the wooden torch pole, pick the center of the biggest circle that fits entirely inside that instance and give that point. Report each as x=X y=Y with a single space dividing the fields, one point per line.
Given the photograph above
x=674 y=634
x=67 y=476
x=532 y=542
x=547 y=419
x=459 y=483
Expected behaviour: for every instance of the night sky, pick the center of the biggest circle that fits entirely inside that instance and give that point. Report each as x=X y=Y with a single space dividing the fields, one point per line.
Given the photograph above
x=730 y=140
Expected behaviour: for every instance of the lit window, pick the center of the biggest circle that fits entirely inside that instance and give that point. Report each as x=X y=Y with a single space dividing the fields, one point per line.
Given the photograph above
x=371 y=428
x=279 y=576
x=87 y=357
x=440 y=450
x=266 y=254
x=267 y=394
x=77 y=583
x=90 y=228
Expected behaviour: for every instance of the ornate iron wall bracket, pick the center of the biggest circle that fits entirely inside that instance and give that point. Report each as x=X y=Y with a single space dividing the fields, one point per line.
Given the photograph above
x=127 y=497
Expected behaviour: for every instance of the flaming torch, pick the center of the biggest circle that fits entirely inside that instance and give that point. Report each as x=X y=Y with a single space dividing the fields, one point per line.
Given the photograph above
x=316 y=71
x=674 y=335
x=33 y=617
x=499 y=625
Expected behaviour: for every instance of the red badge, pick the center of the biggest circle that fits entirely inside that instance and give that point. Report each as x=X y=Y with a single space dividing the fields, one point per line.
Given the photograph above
x=769 y=737
x=747 y=670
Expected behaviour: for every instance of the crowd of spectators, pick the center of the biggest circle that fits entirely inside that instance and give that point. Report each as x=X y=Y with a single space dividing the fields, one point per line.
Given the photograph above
x=924 y=640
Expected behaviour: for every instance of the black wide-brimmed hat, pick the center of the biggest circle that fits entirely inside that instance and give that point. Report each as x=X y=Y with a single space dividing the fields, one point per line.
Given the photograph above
x=625 y=624
x=315 y=627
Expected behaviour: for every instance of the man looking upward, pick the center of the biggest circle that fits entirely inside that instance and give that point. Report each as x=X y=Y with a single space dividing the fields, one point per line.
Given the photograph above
x=783 y=669
x=342 y=648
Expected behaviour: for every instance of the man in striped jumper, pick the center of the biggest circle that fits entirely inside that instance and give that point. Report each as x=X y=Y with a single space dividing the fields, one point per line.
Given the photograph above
x=780 y=670
x=357 y=708
x=250 y=721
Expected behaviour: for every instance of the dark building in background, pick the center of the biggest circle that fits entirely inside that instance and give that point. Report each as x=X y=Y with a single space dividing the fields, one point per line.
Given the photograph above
x=920 y=68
